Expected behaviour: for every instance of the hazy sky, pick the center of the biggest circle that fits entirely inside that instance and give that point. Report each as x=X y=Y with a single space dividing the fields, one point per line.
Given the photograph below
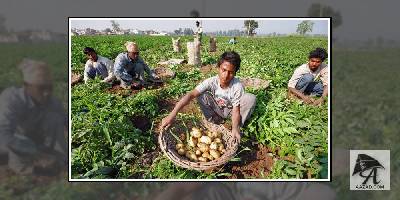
x=265 y=25
x=362 y=19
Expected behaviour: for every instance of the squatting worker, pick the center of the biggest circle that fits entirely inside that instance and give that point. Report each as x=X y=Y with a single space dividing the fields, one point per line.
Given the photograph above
x=33 y=122
x=311 y=79
x=97 y=65
x=129 y=67
x=220 y=96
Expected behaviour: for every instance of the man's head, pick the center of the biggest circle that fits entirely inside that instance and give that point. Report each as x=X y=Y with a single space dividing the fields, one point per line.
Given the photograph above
x=133 y=50
x=316 y=57
x=197 y=23
x=228 y=64
x=38 y=82
x=90 y=53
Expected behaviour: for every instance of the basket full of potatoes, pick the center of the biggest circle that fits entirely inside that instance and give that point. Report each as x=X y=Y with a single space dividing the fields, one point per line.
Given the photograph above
x=200 y=148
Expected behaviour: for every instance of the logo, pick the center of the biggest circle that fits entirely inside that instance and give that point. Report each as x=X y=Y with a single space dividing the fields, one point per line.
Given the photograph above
x=369 y=170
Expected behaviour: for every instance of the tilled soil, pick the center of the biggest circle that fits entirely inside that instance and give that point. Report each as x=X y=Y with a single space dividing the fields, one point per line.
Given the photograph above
x=256 y=163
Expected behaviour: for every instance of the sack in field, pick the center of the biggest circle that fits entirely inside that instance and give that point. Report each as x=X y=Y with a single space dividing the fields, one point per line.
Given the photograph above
x=194 y=53
x=176 y=44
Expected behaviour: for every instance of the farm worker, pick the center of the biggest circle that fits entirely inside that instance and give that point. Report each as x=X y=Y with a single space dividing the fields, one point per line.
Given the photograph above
x=129 y=67
x=199 y=31
x=311 y=78
x=220 y=96
x=97 y=65
x=33 y=123
x=232 y=40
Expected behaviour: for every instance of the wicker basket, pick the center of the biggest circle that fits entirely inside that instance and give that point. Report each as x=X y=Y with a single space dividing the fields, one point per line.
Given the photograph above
x=168 y=142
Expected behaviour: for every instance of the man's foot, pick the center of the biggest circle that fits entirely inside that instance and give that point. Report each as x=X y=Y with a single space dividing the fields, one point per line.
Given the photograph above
x=136 y=85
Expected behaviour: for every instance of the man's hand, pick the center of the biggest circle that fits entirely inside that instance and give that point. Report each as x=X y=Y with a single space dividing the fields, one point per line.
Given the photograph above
x=167 y=121
x=236 y=133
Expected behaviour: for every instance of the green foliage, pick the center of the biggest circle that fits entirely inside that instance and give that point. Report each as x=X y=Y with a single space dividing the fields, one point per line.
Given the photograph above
x=104 y=140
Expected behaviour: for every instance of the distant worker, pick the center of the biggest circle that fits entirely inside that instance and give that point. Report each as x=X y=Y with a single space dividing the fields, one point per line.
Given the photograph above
x=97 y=65
x=199 y=31
x=311 y=79
x=129 y=67
x=232 y=40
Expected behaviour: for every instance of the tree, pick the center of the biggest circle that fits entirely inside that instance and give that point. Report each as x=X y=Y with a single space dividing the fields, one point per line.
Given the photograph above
x=250 y=26
x=304 y=27
x=319 y=10
x=115 y=26
x=178 y=32
x=188 y=31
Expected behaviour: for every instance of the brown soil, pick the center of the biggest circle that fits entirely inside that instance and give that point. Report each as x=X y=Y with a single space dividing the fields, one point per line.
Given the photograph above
x=253 y=163
x=147 y=159
x=116 y=89
x=164 y=73
x=254 y=83
x=167 y=105
x=141 y=122
x=206 y=69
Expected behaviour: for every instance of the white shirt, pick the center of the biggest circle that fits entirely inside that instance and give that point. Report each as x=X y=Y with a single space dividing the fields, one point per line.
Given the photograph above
x=226 y=97
x=107 y=74
x=321 y=72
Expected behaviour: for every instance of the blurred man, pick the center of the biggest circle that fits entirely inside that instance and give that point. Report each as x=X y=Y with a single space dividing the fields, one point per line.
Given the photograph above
x=129 y=67
x=311 y=79
x=220 y=96
x=97 y=65
x=33 y=123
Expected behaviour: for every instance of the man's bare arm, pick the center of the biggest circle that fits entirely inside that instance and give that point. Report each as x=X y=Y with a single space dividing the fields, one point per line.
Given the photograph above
x=167 y=121
x=300 y=95
x=236 y=121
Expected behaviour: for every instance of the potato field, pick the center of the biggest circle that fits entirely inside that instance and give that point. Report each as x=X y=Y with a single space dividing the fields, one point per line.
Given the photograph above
x=114 y=131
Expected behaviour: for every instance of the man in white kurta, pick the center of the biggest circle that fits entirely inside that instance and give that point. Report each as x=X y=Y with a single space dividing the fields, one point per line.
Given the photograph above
x=97 y=65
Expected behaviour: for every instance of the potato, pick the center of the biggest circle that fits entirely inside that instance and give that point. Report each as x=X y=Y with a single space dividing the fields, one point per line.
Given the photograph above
x=193 y=157
x=203 y=147
x=205 y=139
x=223 y=151
x=196 y=133
x=213 y=145
x=217 y=140
x=197 y=152
x=221 y=147
x=216 y=135
x=202 y=159
x=181 y=152
x=209 y=134
x=205 y=154
x=215 y=153
x=179 y=146
x=192 y=142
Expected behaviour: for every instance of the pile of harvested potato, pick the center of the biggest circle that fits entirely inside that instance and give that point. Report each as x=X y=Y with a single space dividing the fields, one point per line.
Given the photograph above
x=201 y=146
